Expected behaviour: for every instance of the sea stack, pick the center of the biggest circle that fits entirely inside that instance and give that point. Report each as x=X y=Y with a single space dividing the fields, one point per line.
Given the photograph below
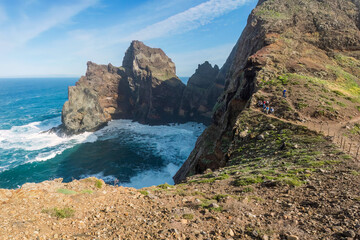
x=145 y=89
x=201 y=93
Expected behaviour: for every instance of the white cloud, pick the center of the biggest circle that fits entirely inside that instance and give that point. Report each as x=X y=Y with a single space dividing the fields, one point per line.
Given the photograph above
x=96 y=41
x=69 y=53
x=27 y=28
x=188 y=20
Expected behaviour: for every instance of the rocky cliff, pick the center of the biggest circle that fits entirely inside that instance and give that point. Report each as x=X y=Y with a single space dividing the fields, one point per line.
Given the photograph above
x=201 y=93
x=145 y=89
x=309 y=48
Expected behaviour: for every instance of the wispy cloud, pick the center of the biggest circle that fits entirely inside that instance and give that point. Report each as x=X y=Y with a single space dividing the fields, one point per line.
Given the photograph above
x=3 y=15
x=188 y=20
x=192 y=18
x=25 y=39
x=27 y=28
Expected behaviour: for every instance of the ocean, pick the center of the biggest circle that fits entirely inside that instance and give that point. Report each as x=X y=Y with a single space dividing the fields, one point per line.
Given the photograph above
x=124 y=152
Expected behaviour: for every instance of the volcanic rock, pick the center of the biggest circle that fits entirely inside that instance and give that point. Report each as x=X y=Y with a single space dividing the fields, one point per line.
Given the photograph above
x=285 y=45
x=145 y=89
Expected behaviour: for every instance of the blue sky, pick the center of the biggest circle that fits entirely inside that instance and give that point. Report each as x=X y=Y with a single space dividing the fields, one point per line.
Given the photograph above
x=58 y=37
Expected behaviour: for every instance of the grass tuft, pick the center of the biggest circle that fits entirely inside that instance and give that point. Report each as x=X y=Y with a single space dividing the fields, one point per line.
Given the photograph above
x=144 y=192
x=188 y=216
x=165 y=186
x=98 y=183
x=65 y=212
x=244 y=181
x=66 y=191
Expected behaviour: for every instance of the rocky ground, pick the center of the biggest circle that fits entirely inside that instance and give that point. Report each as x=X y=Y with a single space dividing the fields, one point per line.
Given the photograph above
x=282 y=181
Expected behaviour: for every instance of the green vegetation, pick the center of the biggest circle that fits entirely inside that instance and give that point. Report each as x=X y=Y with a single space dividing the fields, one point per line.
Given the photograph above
x=341 y=104
x=284 y=79
x=265 y=13
x=301 y=105
x=165 y=186
x=188 y=216
x=247 y=190
x=197 y=193
x=356 y=129
x=72 y=192
x=222 y=176
x=88 y=191
x=66 y=191
x=219 y=197
x=144 y=192
x=244 y=181
x=98 y=183
x=65 y=212
x=338 y=93
x=292 y=182
x=209 y=180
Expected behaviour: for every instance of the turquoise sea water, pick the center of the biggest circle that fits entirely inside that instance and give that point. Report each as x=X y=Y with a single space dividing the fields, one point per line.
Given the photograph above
x=137 y=155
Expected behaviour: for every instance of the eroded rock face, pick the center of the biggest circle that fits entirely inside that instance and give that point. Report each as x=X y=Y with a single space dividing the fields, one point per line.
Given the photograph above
x=296 y=40
x=145 y=89
x=94 y=99
x=201 y=93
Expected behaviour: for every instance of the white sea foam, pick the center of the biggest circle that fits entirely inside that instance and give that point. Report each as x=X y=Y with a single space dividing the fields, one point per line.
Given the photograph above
x=32 y=137
x=171 y=142
x=39 y=144
x=153 y=177
x=100 y=175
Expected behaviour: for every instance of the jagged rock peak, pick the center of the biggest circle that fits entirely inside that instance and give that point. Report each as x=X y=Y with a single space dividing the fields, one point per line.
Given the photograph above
x=140 y=60
x=204 y=75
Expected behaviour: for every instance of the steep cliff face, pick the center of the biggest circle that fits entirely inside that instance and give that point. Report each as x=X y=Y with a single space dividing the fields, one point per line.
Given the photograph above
x=94 y=99
x=201 y=93
x=304 y=46
x=145 y=89
x=154 y=85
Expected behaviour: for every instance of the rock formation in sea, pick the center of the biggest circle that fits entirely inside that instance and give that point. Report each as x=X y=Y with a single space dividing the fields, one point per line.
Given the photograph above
x=311 y=49
x=201 y=93
x=145 y=89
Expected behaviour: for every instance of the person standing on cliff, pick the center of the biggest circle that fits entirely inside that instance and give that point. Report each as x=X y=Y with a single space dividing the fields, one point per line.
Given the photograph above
x=284 y=93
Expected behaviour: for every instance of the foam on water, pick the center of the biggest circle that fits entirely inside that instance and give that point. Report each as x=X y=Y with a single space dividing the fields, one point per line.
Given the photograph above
x=153 y=177
x=172 y=144
x=33 y=136
x=169 y=141
x=32 y=143
x=100 y=175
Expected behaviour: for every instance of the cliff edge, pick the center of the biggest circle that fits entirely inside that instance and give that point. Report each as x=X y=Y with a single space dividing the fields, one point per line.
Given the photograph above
x=311 y=49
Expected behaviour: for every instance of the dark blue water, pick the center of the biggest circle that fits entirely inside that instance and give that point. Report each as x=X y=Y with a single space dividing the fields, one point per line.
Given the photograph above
x=136 y=155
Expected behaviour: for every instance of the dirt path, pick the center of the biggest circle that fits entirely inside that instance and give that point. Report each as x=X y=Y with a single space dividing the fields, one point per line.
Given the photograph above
x=335 y=130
